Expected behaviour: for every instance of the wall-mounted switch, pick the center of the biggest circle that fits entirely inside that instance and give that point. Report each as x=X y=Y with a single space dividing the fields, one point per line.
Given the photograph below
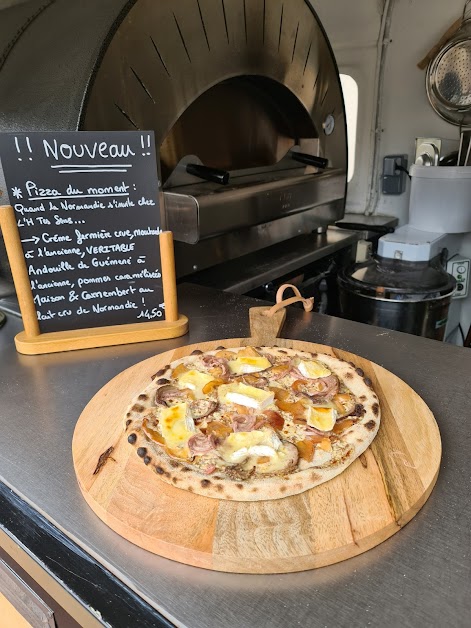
x=394 y=174
x=459 y=268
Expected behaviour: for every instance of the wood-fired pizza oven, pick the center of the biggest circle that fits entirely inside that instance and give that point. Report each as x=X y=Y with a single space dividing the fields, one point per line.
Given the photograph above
x=243 y=97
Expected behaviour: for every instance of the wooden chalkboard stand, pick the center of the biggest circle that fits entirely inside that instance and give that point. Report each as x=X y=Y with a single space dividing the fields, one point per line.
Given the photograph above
x=32 y=342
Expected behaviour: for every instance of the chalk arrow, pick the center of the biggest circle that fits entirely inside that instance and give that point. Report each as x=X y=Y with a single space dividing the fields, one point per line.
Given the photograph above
x=34 y=239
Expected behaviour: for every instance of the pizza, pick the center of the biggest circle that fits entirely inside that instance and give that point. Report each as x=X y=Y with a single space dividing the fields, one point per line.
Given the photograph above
x=253 y=423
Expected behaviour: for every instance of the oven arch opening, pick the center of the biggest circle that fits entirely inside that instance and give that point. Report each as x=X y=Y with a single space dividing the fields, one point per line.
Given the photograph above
x=246 y=121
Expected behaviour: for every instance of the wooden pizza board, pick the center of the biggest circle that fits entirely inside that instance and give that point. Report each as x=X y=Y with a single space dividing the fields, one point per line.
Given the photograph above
x=360 y=508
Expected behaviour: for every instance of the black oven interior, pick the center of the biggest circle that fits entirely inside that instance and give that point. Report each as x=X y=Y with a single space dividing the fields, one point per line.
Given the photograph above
x=317 y=279
x=243 y=122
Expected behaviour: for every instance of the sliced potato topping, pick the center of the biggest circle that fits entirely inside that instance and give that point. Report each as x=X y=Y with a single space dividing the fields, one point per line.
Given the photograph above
x=152 y=432
x=297 y=409
x=218 y=428
x=344 y=403
x=279 y=370
x=341 y=426
x=225 y=354
x=182 y=453
x=179 y=370
x=248 y=352
x=325 y=444
x=306 y=449
x=212 y=385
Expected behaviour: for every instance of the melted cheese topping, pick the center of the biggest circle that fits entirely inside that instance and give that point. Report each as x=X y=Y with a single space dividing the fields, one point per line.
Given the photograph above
x=244 y=395
x=248 y=364
x=238 y=446
x=196 y=381
x=320 y=417
x=176 y=426
x=312 y=370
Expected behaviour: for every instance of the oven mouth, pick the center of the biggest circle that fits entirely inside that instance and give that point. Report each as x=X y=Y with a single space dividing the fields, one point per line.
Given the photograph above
x=232 y=92
x=243 y=123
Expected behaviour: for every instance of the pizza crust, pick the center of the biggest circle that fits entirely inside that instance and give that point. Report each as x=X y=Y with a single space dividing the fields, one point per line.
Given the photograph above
x=355 y=440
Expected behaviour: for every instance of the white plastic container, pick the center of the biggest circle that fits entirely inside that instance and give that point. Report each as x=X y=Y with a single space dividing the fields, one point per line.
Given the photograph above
x=440 y=198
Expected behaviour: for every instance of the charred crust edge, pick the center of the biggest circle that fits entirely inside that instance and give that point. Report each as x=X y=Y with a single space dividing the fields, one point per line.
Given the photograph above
x=158 y=374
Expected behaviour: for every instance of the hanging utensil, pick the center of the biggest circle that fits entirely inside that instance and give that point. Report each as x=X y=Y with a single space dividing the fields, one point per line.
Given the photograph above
x=466 y=159
x=448 y=80
x=463 y=152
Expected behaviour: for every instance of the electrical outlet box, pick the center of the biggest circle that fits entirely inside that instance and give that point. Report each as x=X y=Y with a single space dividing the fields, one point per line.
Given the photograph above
x=459 y=267
x=394 y=174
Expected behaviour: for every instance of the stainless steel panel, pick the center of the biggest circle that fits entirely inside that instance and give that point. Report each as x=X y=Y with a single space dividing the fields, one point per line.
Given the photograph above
x=194 y=213
x=228 y=246
x=251 y=271
x=419 y=578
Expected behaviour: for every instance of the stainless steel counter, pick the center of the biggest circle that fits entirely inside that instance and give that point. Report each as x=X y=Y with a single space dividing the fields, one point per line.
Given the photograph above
x=419 y=577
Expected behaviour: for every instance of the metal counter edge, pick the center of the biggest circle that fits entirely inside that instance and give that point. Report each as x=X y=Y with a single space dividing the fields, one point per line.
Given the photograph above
x=71 y=566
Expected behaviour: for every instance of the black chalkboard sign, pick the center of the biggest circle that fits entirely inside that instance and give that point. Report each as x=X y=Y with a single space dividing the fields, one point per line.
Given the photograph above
x=86 y=205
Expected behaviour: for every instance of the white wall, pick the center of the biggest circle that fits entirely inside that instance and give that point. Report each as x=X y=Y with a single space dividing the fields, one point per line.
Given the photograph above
x=353 y=28
x=405 y=113
x=416 y=25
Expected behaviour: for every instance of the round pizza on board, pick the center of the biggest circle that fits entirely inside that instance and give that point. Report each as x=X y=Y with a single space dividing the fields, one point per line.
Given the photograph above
x=253 y=423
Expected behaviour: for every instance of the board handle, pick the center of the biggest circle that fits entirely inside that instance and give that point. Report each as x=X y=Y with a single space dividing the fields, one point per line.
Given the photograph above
x=266 y=322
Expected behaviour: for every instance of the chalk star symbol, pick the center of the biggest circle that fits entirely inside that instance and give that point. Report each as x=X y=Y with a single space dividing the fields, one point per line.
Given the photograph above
x=17 y=193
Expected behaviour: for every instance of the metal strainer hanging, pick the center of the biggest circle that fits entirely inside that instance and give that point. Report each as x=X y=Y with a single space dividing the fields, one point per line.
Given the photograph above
x=448 y=80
